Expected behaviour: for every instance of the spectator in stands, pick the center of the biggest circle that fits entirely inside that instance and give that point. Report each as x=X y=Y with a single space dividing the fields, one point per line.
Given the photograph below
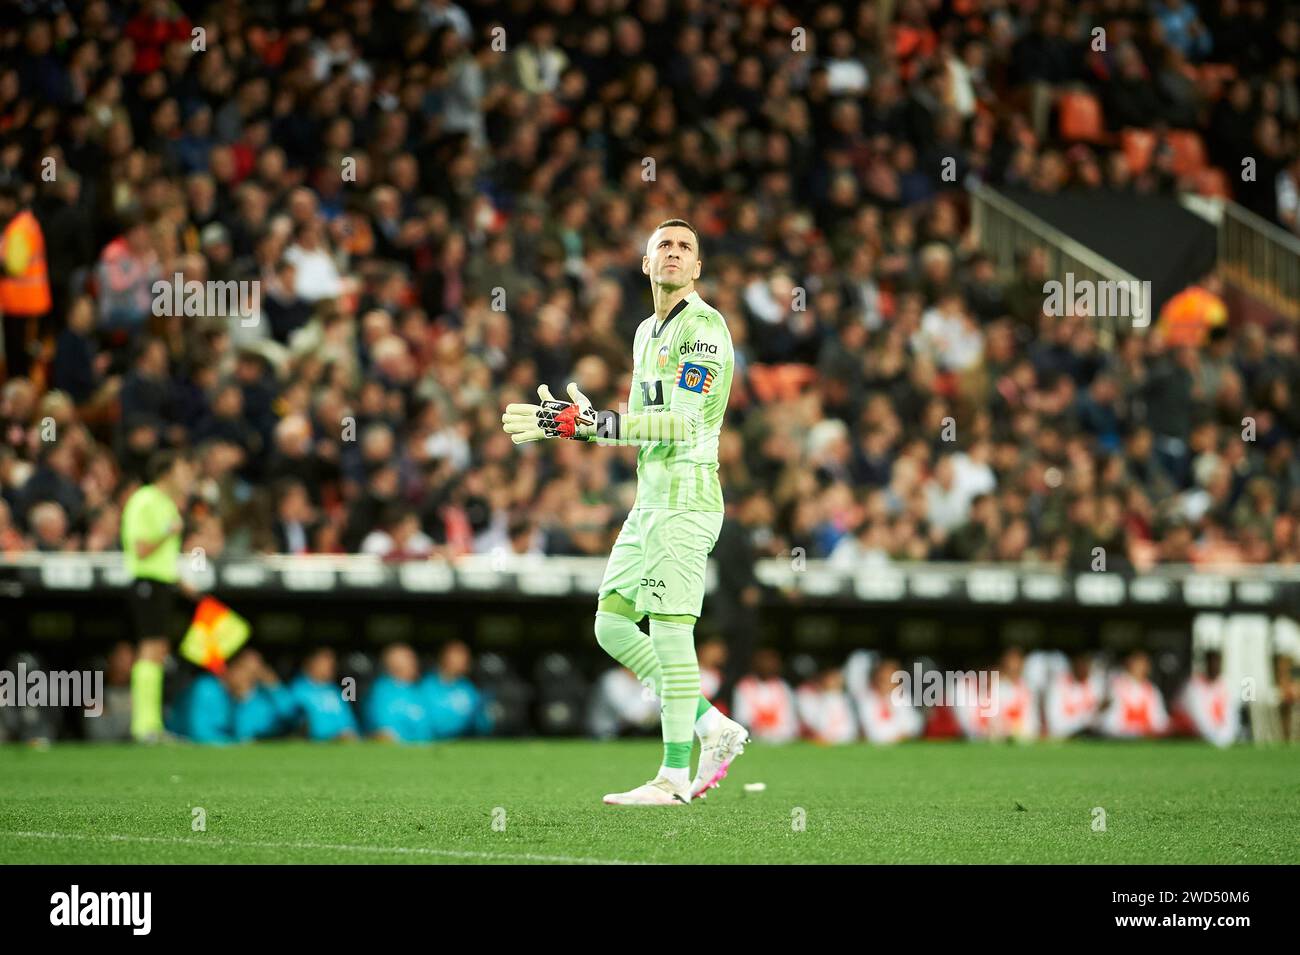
x=50 y=528
x=24 y=280
x=295 y=457
x=228 y=423
x=400 y=537
x=12 y=541
x=127 y=270
x=146 y=389
x=79 y=367
x=295 y=518
x=54 y=480
x=315 y=275
x=1131 y=96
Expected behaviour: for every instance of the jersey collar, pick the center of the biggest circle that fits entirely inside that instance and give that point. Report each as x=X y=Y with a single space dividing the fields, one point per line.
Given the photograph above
x=673 y=313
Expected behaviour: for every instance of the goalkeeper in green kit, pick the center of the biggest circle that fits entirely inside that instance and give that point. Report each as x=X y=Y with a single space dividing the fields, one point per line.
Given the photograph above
x=681 y=378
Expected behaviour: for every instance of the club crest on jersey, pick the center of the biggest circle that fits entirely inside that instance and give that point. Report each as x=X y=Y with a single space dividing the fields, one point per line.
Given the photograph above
x=663 y=357
x=695 y=378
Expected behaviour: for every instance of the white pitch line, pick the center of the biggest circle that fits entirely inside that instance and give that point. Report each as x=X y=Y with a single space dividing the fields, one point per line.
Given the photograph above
x=381 y=850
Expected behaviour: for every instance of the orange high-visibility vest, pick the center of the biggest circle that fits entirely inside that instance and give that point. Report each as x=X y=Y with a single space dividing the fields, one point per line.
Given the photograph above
x=1188 y=317
x=29 y=292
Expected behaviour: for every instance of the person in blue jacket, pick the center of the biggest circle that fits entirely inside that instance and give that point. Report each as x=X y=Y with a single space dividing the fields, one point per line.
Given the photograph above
x=325 y=713
x=455 y=706
x=248 y=702
x=394 y=707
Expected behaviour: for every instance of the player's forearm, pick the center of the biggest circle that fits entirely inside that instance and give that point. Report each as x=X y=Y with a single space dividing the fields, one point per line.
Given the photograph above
x=669 y=427
x=143 y=548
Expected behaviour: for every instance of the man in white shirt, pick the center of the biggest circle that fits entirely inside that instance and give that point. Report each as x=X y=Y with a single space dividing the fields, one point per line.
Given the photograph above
x=825 y=710
x=1135 y=707
x=765 y=703
x=1208 y=706
x=887 y=716
x=1073 y=700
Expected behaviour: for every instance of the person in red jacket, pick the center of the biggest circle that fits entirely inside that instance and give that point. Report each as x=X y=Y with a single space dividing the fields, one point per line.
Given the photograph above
x=158 y=23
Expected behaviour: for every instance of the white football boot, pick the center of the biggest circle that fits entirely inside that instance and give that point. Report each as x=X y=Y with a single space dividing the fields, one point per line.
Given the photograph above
x=718 y=750
x=658 y=792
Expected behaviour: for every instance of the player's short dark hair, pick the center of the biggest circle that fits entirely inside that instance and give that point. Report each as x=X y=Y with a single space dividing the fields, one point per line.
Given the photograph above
x=161 y=462
x=683 y=224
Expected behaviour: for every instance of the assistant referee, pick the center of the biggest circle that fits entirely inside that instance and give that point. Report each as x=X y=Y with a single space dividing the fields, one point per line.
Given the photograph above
x=151 y=540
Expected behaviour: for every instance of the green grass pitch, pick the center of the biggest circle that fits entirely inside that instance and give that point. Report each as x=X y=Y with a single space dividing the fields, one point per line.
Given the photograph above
x=505 y=801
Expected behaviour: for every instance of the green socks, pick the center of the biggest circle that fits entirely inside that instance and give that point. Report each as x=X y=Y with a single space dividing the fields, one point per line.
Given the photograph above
x=674 y=645
x=146 y=699
x=623 y=640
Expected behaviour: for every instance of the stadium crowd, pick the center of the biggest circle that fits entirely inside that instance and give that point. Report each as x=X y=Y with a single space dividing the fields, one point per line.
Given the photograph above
x=444 y=205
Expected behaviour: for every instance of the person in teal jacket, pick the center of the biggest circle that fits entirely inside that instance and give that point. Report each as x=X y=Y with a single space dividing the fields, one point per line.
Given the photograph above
x=325 y=714
x=248 y=702
x=454 y=705
x=394 y=708
x=204 y=711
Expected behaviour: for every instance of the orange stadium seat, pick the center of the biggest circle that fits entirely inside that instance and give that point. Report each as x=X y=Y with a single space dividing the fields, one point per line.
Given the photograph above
x=1080 y=117
x=780 y=382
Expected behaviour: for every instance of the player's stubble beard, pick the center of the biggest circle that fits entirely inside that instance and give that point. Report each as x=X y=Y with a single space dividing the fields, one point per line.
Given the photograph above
x=666 y=294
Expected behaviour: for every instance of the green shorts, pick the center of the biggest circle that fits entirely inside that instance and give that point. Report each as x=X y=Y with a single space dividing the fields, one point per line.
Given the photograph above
x=659 y=558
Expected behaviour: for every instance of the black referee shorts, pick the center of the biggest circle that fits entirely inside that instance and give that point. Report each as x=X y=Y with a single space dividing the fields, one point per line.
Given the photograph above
x=152 y=604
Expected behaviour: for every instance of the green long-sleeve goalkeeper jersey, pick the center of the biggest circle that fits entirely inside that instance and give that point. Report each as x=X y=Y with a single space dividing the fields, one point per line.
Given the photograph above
x=681 y=379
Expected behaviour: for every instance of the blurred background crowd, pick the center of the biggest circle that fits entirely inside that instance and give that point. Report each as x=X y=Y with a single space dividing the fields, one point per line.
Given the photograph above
x=445 y=204
x=397 y=697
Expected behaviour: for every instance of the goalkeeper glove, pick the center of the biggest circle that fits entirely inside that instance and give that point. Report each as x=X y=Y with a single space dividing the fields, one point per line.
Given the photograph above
x=553 y=418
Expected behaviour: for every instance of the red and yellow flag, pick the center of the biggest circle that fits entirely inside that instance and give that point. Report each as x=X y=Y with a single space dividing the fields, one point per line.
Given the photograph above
x=215 y=635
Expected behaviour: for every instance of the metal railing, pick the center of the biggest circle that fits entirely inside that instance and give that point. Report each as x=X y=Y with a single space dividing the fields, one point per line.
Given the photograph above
x=1006 y=229
x=1260 y=258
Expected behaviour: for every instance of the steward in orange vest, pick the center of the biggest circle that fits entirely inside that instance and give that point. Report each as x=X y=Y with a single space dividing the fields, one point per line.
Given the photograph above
x=24 y=280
